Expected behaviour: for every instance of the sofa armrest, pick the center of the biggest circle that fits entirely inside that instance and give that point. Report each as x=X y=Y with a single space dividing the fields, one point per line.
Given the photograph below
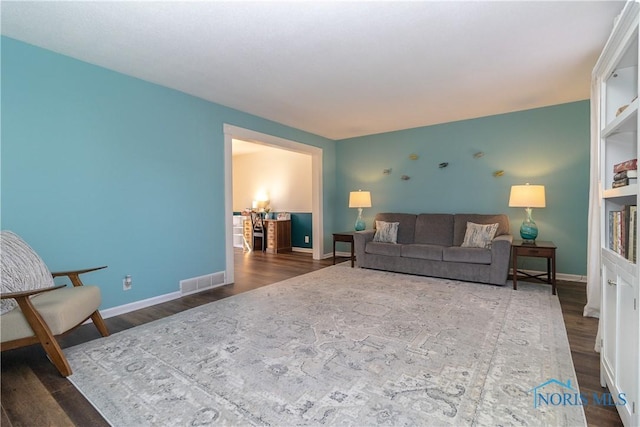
x=500 y=254
x=360 y=240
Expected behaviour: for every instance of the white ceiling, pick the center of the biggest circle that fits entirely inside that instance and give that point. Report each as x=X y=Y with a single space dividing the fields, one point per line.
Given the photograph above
x=337 y=69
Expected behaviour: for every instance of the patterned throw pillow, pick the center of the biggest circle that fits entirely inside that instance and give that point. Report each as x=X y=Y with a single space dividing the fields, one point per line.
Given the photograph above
x=386 y=232
x=479 y=235
x=22 y=269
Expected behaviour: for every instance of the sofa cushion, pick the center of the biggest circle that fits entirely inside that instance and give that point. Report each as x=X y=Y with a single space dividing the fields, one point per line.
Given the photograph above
x=434 y=229
x=386 y=232
x=479 y=235
x=460 y=224
x=389 y=249
x=406 y=226
x=430 y=252
x=467 y=255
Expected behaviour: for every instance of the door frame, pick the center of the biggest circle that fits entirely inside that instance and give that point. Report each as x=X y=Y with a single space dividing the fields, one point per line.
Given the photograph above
x=231 y=132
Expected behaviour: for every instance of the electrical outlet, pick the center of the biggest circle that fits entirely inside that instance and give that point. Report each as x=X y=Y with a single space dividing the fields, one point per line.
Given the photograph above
x=306 y=239
x=126 y=283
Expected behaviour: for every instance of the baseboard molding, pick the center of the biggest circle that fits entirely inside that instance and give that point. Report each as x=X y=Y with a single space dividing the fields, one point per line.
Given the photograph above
x=207 y=282
x=304 y=250
x=137 y=305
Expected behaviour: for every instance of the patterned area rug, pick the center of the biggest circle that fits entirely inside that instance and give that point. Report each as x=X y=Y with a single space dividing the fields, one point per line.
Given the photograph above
x=339 y=346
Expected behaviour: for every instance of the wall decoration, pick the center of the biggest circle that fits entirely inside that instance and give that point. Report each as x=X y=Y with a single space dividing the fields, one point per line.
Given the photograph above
x=413 y=156
x=405 y=177
x=386 y=171
x=498 y=173
x=478 y=155
x=443 y=165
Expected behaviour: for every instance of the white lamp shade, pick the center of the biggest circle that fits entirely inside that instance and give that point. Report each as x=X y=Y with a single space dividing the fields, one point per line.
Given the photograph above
x=260 y=204
x=527 y=196
x=360 y=199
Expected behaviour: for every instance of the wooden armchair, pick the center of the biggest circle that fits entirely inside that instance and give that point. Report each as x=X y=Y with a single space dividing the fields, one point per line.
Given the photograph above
x=34 y=310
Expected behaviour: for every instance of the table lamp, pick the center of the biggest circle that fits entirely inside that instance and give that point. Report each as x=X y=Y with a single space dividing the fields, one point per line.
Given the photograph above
x=527 y=197
x=360 y=199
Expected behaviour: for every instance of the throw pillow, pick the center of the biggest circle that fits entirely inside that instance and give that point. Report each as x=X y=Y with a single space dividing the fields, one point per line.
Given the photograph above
x=479 y=235
x=22 y=269
x=386 y=232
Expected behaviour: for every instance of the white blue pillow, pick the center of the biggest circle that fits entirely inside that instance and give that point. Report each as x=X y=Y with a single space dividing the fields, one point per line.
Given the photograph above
x=479 y=235
x=386 y=232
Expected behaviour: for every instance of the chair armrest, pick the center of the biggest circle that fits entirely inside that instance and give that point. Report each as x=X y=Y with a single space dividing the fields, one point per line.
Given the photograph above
x=30 y=292
x=360 y=239
x=74 y=275
x=68 y=273
x=500 y=253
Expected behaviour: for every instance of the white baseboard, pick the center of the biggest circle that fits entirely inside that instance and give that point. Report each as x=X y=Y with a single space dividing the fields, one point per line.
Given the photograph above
x=205 y=283
x=341 y=253
x=304 y=250
x=137 y=305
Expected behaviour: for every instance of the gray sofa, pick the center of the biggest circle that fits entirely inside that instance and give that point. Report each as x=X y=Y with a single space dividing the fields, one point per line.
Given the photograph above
x=429 y=245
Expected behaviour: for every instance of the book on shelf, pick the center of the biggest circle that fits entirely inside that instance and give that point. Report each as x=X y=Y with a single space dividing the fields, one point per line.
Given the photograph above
x=627 y=165
x=633 y=234
x=623 y=182
x=623 y=232
x=626 y=174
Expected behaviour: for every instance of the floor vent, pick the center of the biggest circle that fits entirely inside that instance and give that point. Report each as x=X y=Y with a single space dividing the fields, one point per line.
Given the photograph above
x=201 y=283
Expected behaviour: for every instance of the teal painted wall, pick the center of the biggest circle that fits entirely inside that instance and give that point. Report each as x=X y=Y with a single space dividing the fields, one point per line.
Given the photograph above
x=548 y=146
x=301 y=226
x=101 y=168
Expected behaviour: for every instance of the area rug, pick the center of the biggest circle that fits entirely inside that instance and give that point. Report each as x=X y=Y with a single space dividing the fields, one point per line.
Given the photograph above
x=339 y=346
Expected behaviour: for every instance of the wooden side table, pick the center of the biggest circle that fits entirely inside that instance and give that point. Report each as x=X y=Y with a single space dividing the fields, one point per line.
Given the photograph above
x=344 y=236
x=539 y=250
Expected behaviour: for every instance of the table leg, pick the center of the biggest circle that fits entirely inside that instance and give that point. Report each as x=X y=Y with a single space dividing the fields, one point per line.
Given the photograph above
x=515 y=270
x=334 y=251
x=553 y=272
x=352 y=254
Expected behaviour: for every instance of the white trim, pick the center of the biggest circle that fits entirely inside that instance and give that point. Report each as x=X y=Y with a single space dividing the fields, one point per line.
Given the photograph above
x=317 y=206
x=228 y=208
x=137 y=305
x=304 y=250
x=341 y=254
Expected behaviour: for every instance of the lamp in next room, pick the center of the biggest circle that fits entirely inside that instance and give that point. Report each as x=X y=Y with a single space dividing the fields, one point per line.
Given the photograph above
x=360 y=199
x=527 y=197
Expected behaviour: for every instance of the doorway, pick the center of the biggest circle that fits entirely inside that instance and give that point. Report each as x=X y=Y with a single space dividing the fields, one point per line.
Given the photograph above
x=231 y=132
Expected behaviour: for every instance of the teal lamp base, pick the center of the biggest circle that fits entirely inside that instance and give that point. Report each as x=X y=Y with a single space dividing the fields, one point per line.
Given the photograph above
x=528 y=229
x=360 y=225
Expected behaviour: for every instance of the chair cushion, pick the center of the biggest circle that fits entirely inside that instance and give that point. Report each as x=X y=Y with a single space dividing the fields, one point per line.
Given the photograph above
x=467 y=255
x=389 y=249
x=22 y=269
x=61 y=309
x=431 y=252
x=434 y=229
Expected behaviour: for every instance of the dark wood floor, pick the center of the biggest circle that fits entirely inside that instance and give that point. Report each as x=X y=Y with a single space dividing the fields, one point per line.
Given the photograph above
x=34 y=394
